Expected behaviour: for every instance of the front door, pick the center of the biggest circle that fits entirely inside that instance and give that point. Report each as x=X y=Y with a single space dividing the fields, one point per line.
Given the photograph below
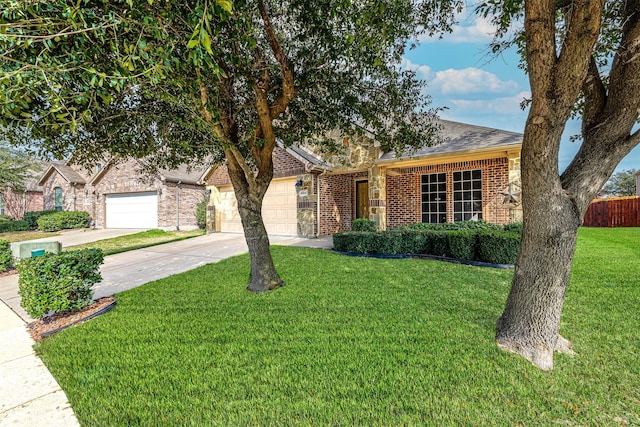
x=362 y=199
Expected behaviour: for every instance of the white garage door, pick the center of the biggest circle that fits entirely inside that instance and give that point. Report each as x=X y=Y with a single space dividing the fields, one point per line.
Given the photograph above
x=134 y=210
x=279 y=209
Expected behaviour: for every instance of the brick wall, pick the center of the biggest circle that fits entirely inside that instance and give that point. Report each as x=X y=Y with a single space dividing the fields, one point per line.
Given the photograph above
x=403 y=199
x=336 y=202
x=188 y=198
x=17 y=203
x=284 y=165
x=403 y=191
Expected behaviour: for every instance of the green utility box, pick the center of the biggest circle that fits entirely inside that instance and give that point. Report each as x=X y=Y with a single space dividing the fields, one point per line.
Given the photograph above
x=21 y=250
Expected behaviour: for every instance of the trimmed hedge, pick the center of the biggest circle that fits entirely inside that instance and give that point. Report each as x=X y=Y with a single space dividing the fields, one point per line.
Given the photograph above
x=6 y=258
x=499 y=247
x=5 y=218
x=63 y=220
x=33 y=216
x=7 y=227
x=363 y=224
x=58 y=282
x=487 y=245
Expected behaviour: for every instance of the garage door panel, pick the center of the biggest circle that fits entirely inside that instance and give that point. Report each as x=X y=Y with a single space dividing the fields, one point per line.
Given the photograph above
x=279 y=209
x=132 y=210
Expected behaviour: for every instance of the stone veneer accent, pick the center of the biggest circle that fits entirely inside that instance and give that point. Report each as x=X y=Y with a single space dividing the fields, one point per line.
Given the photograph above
x=307 y=205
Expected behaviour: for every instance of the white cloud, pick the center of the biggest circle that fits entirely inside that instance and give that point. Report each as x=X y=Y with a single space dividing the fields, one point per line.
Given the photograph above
x=502 y=105
x=471 y=29
x=470 y=80
x=423 y=72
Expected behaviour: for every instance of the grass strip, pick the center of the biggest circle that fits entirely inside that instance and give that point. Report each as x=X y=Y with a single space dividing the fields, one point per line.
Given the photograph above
x=140 y=240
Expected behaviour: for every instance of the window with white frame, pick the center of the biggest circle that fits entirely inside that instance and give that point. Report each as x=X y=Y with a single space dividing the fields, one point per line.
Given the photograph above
x=2 y=204
x=434 y=198
x=467 y=195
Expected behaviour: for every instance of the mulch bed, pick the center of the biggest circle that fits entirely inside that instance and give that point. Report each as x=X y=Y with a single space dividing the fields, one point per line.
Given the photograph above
x=43 y=328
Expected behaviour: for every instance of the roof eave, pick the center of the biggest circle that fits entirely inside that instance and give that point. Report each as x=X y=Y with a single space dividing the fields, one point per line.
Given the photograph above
x=450 y=156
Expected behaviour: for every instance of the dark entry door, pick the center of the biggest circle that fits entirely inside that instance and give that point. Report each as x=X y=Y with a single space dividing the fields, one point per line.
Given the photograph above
x=362 y=199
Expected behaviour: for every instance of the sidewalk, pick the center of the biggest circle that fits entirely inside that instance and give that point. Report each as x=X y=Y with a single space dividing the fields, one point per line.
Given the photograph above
x=29 y=395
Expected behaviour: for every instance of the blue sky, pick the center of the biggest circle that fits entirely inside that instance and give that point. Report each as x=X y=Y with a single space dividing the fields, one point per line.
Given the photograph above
x=479 y=90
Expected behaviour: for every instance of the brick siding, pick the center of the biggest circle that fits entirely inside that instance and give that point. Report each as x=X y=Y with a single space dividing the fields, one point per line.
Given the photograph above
x=284 y=165
x=403 y=191
x=337 y=202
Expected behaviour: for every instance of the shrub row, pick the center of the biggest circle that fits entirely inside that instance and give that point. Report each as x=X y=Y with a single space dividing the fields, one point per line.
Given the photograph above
x=58 y=282
x=6 y=258
x=7 y=227
x=63 y=220
x=5 y=218
x=487 y=245
x=32 y=217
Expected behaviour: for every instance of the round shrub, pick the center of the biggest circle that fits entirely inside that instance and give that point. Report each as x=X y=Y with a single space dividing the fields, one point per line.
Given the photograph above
x=58 y=282
x=6 y=258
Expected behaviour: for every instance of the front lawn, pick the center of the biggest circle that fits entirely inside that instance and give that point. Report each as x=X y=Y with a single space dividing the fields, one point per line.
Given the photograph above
x=355 y=341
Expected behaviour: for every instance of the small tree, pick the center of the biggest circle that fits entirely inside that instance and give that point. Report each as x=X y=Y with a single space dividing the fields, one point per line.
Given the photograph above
x=621 y=183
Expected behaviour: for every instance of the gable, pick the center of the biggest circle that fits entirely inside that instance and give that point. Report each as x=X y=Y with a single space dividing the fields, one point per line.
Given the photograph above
x=284 y=165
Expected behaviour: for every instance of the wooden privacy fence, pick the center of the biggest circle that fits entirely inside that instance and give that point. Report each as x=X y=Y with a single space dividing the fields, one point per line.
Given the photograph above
x=618 y=212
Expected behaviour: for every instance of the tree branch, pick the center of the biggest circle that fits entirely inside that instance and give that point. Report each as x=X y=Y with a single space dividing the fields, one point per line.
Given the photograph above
x=288 y=87
x=583 y=20
x=595 y=96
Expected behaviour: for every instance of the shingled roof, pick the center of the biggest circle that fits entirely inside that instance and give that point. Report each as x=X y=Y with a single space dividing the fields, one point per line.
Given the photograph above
x=462 y=138
x=65 y=171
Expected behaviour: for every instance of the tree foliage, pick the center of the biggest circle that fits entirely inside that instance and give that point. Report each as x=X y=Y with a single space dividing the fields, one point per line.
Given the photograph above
x=621 y=183
x=15 y=168
x=176 y=82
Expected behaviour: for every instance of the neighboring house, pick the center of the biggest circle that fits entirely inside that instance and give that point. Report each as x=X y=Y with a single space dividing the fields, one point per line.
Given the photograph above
x=16 y=203
x=119 y=195
x=638 y=183
x=474 y=174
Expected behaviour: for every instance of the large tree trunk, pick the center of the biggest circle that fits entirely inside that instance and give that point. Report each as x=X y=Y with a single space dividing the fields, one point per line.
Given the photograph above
x=250 y=193
x=263 y=276
x=530 y=322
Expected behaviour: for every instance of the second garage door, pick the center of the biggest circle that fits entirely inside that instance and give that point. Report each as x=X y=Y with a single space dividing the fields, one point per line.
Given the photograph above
x=279 y=209
x=135 y=210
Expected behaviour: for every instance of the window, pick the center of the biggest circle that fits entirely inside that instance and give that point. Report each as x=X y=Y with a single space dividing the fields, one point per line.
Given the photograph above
x=1 y=203
x=434 y=198
x=467 y=195
x=57 y=198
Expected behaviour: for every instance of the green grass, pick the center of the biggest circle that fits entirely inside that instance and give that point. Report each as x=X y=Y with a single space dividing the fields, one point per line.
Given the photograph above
x=355 y=341
x=140 y=240
x=21 y=236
